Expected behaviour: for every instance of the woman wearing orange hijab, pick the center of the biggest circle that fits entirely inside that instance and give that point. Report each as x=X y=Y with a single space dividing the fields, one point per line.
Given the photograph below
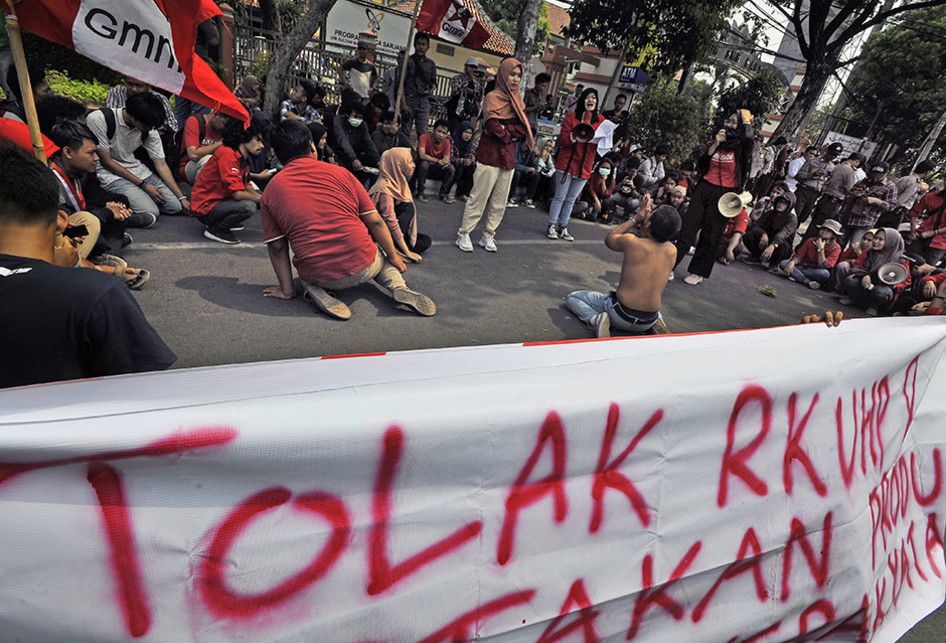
x=504 y=126
x=392 y=194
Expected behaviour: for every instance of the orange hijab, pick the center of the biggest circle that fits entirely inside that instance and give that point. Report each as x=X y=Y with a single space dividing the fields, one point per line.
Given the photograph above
x=394 y=176
x=505 y=103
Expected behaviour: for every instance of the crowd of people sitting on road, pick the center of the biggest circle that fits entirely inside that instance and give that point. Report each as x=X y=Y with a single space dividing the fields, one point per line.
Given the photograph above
x=336 y=188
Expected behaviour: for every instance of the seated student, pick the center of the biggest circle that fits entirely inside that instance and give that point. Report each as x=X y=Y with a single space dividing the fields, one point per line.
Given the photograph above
x=352 y=143
x=463 y=159
x=731 y=246
x=122 y=131
x=53 y=108
x=12 y=106
x=525 y=174
x=545 y=164
x=861 y=286
x=595 y=202
x=378 y=106
x=934 y=287
x=626 y=196
x=300 y=106
x=853 y=251
x=686 y=175
x=665 y=184
x=433 y=161
x=223 y=196
x=59 y=323
x=769 y=238
x=389 y=134
x=248 y=93
x=392 y=194
x=118 y=96
x=816 y=257
x=200 y=139
x=322 y=148
x=765 y=203
x=648 y=261
x=325 y=215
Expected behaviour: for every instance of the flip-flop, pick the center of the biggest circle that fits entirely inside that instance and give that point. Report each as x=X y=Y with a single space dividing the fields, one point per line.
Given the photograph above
x=111 y=260
x=139 y=280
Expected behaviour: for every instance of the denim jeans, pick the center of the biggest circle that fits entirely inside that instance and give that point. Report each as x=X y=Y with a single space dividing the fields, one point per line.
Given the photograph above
x=139 y=201
x=804 y=275
x=228 y=214
x=567 y=190
x=879 y=297
x=588 y=303
x=419 y=119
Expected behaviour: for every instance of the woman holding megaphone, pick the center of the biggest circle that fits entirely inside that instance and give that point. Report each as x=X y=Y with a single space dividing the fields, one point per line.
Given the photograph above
x=724 y=168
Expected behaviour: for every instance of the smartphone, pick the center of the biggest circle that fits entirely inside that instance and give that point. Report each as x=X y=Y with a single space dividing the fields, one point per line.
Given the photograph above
x=76 y=231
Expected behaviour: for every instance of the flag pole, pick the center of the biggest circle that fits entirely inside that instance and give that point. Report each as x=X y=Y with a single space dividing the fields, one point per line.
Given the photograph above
x=26 y=89
x=407 y=53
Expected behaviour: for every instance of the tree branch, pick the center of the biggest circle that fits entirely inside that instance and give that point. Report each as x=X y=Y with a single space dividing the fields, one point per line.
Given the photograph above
x=804 y=44
x=850 y=32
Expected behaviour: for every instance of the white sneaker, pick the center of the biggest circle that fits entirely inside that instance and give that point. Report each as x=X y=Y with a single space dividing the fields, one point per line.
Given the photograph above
x=671 y=277
x=512 y=204
x=565 y=235
x=551 y=234
x=464 y=243
x=602 y=325
x=488 y=244
x=693 y=280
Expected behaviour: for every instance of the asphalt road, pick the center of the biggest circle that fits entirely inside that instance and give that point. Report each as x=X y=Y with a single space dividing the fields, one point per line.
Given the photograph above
x=206 y=299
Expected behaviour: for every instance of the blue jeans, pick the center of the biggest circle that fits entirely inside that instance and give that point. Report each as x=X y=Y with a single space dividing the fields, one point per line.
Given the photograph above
x=804 y=275
x=142 y=204
x=567 y=190
x=588 y=303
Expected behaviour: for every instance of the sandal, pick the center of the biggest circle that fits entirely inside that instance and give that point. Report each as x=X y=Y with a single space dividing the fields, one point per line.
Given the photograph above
x=111 y=260
x=138 y=280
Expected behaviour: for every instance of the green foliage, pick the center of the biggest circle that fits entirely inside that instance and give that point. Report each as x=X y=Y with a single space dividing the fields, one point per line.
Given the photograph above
x=84 y=91
x=57 y=57
x=671 y=33
x=661 y=114
x=761 y=94
x=505 y=13
x=260 y=66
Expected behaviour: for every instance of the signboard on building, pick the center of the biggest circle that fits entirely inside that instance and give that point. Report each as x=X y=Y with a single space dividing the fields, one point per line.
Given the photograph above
x=851 y=144
x=348 y=18
x=632 y=78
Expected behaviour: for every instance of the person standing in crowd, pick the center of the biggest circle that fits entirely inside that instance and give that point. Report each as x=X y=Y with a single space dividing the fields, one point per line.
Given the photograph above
x=572 y=101
x=835 y=193
x=535 y=99
x=223 y=197
x=862 y=287
x=811 y=181
x=774 y=160
x=207 y=36
x=352 y=143
x=769 y=238
x=118 y=95
x=504 y=125
x=359 y=74
x=299 y=107
x=816 y=257
x=433 y=161
x=389 y=134
x=574 y=162
x=928 y=227
x=248 y=93
x=795 y=166
x=908 y=188
x=466 y=94
x=617 y=114
x=869 y=200
x=648 y=259
x=420 y=80
x=652 y=171
x=725 y=168
x=200 y=138
x=463 y=159
x=392 y=194
x=338 y=239
x=120 y=132
x=60 y=323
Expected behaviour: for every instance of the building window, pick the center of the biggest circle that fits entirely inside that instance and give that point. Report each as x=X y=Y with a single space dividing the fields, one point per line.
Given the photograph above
x=446 y=50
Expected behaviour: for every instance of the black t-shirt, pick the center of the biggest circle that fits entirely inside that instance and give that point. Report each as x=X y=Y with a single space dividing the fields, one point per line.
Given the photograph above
x=68 y=323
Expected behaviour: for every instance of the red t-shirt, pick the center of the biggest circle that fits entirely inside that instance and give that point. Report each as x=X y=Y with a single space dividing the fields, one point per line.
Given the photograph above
x=441 y=151
x=190 y=137
x=738 y=223
x=722 y=169
x=19 y=134
x=318 y=206
x=807 y=254
x=224 y=174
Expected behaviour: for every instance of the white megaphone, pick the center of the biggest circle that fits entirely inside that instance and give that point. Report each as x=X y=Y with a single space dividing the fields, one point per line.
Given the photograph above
x=731 y=203
x=892 y=274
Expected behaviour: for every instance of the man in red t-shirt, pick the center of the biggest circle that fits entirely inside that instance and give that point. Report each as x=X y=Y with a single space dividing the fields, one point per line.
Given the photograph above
x=196 y=148
x=433 y=161
x=732 y=237
x=815 y=257
x=333 y=227
x=928 y=235
x=223 y=197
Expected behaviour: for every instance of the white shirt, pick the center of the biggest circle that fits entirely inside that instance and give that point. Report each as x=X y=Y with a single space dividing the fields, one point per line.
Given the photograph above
x=793 y=169
x=122 y=146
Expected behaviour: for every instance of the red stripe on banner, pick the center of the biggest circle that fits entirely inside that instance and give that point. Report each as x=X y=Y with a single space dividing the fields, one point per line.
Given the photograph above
x=431 y=14
x=51 y=20
x=353 y=355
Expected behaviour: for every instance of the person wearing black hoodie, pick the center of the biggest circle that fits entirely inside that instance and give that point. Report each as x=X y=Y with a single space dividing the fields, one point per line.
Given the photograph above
x=725 y=168
x=388 y=134
x=769 y=238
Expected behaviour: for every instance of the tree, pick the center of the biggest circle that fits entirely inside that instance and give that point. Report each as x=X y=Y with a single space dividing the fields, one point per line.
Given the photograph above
x=671 y=34
x=904 y=105
x=289 y=47
x=760 y=94
x=663 y=115
x=526 y=29
x=824 y=28
x=509 y=15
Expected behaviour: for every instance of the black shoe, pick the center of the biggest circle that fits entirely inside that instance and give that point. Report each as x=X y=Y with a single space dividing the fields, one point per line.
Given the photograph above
x=127 y=240
x=222 y=235
x=238 y=228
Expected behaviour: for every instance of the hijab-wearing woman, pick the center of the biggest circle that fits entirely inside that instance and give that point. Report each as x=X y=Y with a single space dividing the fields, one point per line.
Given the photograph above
x=463 y=159
x=504 y=124
x=392 y=194
x=863 y=287
x=574 y=163
x=725 y=168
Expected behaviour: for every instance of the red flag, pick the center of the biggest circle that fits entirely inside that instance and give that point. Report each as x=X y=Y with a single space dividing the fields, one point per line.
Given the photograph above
x=456 y=21
x=149 y=40
x=19 y=134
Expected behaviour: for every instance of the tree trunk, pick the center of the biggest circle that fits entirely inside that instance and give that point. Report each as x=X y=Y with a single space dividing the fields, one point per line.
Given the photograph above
x=801 y=109
x=289 y=47
x=526 y=28
x=270 y=12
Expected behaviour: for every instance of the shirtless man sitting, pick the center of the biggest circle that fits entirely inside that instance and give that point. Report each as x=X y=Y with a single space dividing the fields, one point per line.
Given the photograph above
x=649 y=256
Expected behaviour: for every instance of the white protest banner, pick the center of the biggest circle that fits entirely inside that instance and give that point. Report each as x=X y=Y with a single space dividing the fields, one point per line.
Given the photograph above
x=734 y=486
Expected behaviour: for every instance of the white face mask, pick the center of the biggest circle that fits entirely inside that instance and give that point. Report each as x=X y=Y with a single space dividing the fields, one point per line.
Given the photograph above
x=355 y=122
x=604 y=171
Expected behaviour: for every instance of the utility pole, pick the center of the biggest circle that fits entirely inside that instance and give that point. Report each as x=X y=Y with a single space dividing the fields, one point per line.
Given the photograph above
x=615 y=77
